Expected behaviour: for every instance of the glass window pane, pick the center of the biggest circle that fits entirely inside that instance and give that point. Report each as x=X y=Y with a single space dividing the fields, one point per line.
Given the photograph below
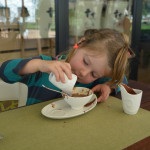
x=144 y=65
x=27 y=28
x=99 y=14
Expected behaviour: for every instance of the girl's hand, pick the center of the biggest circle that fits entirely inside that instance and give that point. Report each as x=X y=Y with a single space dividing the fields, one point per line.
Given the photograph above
x=104 y=90
x=58 y=68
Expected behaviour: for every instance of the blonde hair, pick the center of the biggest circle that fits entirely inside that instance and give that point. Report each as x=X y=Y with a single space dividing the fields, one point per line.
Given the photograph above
x=114 y=44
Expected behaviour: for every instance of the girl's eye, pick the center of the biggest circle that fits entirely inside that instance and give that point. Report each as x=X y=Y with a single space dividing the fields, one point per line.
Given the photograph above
x=85 y=62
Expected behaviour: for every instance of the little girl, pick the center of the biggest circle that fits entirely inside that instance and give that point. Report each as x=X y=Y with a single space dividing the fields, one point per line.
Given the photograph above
x=99 y=60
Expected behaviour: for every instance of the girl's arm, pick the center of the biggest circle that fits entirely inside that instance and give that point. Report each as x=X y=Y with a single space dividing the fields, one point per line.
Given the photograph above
x=57 y=67
x=30 y=67
x=22 y=70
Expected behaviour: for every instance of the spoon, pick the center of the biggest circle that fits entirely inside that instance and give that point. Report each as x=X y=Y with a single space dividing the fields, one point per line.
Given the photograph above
x=54 y=90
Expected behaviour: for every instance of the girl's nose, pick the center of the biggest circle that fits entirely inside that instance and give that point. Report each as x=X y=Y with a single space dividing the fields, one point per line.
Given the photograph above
x=84 y=72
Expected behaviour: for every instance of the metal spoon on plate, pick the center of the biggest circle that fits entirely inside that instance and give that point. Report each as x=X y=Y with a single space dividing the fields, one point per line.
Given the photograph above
x=54 y=90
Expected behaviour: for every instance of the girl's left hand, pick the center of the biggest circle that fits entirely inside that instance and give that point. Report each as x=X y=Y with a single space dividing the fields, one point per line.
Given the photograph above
x=104 y=90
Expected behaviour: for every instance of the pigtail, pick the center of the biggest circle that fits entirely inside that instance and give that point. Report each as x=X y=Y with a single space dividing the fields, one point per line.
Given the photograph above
x=121 y=63
x=120 y=66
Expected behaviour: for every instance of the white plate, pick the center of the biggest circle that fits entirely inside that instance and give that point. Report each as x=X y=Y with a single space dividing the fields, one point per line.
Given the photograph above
x=61 y=110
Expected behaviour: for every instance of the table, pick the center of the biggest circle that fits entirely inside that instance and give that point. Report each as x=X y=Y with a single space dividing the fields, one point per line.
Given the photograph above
x=105 y=127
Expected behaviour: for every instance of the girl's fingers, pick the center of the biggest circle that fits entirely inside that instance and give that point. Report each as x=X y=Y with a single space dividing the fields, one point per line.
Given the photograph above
x=103 y=97
x=59 y=75
x=64 y=68
x=67 y=70
x=96 y=88
x=59 y=69
x=68 y=74
x=56 y=73
x=100 y=99
x=62 y=76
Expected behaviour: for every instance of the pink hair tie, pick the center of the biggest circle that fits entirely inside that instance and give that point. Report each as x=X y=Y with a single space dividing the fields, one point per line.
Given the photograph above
x=128 y=53
x=76 y=46
x=57 y=57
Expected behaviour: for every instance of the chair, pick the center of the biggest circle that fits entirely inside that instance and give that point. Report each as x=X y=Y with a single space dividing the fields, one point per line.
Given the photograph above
x=17 y=91
x=87 y=15
x=114 y=15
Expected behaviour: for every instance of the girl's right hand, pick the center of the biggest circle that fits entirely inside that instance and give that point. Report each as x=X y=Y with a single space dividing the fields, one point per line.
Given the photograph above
x=57 y=67
x=104 y=90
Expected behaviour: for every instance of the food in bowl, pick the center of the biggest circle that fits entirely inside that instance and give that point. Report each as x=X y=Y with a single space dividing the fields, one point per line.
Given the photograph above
x=80 y=97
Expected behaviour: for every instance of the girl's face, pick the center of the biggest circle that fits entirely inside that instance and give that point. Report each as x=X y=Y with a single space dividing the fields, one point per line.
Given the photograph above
x=89 y=67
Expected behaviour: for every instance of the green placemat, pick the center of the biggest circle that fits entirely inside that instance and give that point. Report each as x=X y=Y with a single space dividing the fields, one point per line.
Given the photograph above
x=106 y=127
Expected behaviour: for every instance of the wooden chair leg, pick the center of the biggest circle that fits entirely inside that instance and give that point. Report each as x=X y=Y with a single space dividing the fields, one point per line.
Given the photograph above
x=39 y=46
x=52 y=45
x=22 y=46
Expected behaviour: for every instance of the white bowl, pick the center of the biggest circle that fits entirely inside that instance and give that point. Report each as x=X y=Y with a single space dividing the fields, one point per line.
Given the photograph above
x=66 y=87
x=77 y=103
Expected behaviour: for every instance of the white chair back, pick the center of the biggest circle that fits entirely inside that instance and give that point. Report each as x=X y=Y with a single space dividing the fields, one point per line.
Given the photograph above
x=17 y=91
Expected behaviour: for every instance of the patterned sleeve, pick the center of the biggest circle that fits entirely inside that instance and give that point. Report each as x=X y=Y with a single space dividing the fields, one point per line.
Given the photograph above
x=9 y=70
